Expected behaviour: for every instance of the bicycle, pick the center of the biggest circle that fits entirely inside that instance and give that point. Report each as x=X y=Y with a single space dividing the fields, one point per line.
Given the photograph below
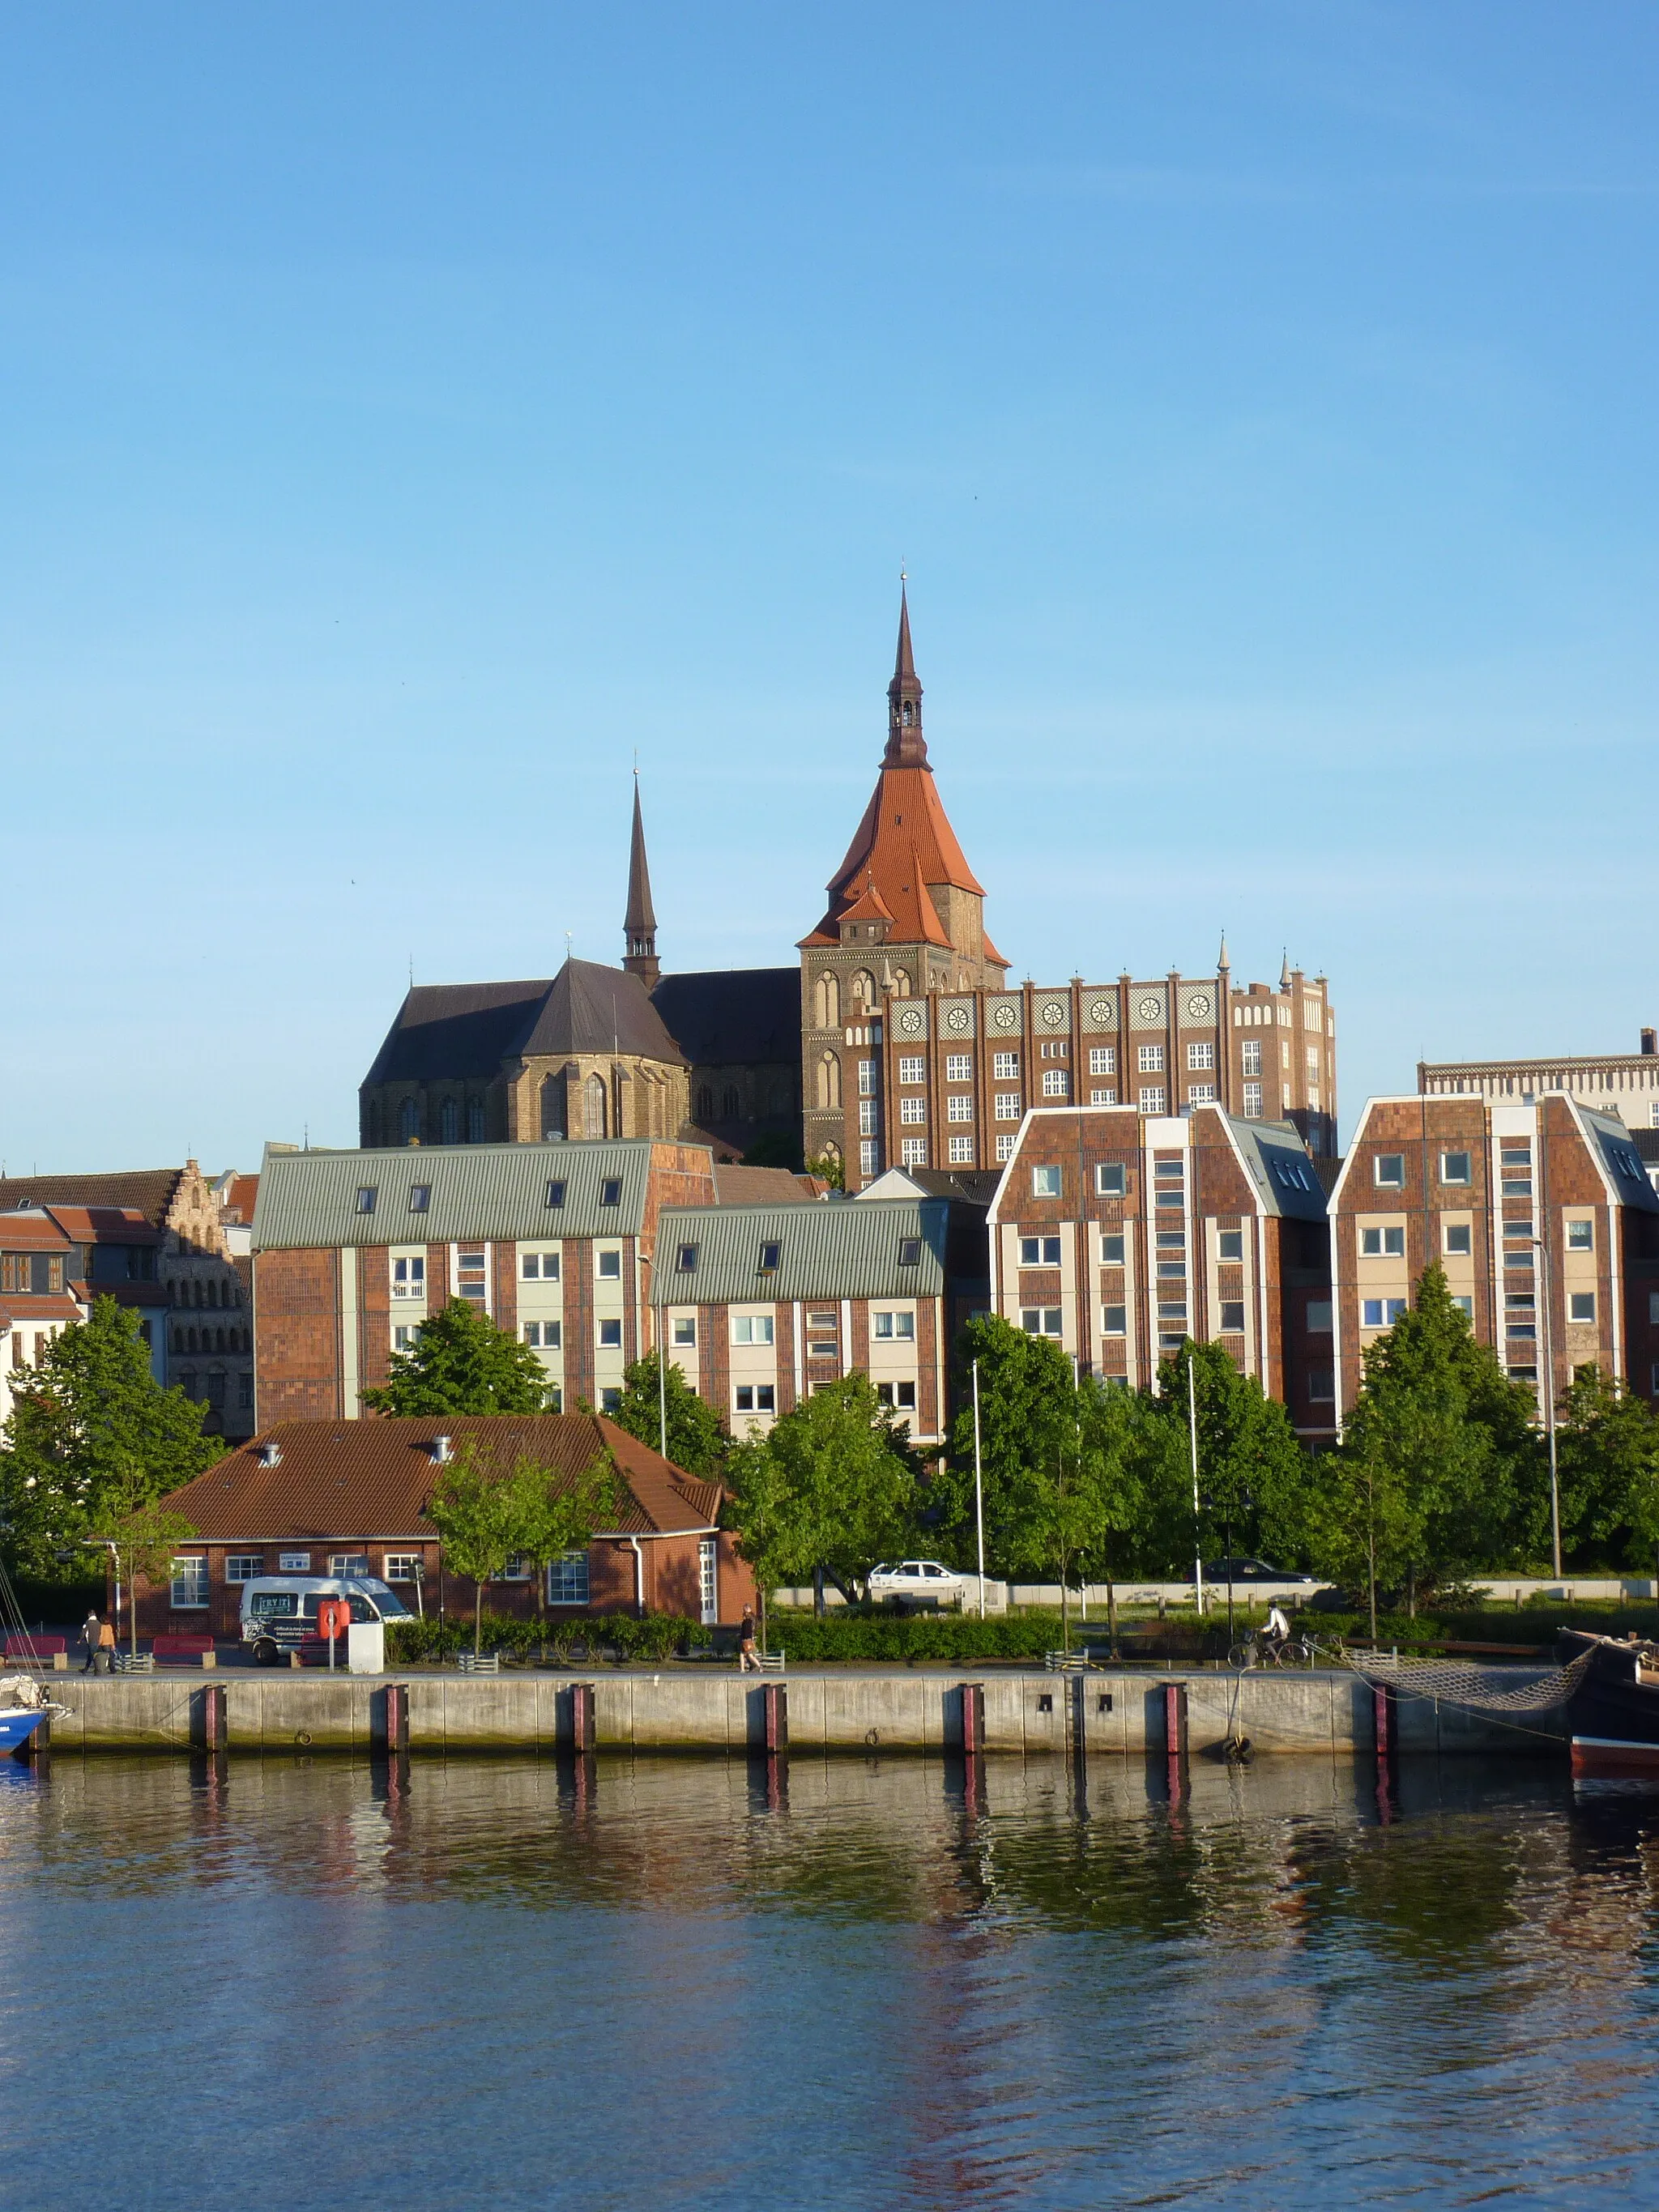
x=1264 y=1651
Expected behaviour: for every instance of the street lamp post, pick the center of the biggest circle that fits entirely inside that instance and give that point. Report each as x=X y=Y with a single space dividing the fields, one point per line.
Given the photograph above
x=1543 y=1251
x=979 y=1494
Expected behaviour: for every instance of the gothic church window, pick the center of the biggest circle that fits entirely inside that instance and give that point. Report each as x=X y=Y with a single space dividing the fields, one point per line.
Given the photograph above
x=829 y=1002
x=705 y=1103
x=553 y=1106
x=864 y=990
x=475 y=1121
x=409 y=1122
x=731 y=1104
x=828 y=1082
x=449 y=1124
x=595 y=1105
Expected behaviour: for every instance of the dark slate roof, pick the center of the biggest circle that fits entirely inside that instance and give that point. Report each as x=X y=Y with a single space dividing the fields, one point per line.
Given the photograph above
x=451 y=1029
x=730 y=1015
x=148 y=1191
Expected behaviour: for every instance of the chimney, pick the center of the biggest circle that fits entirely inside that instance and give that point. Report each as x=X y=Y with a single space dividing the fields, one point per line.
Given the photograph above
x=443 y=1449
x=269 y=1454
x=1649 y=1044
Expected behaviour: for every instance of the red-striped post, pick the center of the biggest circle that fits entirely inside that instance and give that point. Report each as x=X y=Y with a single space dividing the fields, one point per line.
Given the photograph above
x=214 y=1730
x=973 y=1719
x=397 y=1718
x=582 y=1716
x=774 y=1712
x=1175 y=1735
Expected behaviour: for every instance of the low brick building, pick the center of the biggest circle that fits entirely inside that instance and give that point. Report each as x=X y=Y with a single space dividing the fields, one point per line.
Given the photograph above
x=338 y=1497
x=1120 y=1234
x=1543 y=1215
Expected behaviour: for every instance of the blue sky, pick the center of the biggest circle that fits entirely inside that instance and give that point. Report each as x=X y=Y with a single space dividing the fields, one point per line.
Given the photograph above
x=408 y=412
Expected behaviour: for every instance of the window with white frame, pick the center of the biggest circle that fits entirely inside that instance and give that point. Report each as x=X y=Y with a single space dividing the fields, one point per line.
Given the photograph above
x=1005 y=1149
x=1005 y=1066
x=913 y=1068
x=755 y=1398
x=684 y=1329
x=1007 y=1105
x=869 y=1157
x=1388 y=1170
x=868 y=1123
x=914 y=1152
x=1102 y=1060
x=1313 y=1062
x=899 y=1327
x=752 y=1328
x=913 y=1111
x=1252 y=1102
x=1454 y=1167
x=1249 y=1056
x=1459 y=1239
x=1056 y=1083
x=1380 y=1312
x=608 y=1267
x=244 y=1566
x=959 y=1107
x=1101 y=1096
x=962 y=1151
x=403 y=1335
x=518 y=1567
x=1150 y=1060
x=1153 y=1098
x=1229 y=1244
x=1111 y=1248
x=867 y=1079
x=550 y=1338
x=1465 y=1305
x=611 y=1336
x=1111 y=1179
x=190 y=1583
x=402 y=1567
x=1039 y=1251
x=540 y=1266
x=1382 y=1243
x=1056 y=1048
x=901 y=1396
x=1232 y=1322
x=1200 y=1094
x=409 y=1276
x=1200 y=1056
x=1042 y=1321
x=1581 y=1305
x=348 y=1562
x=1581 y=1235
x=1115 y=1321
x=1045 y=1181
x=958 y=1067
x=567 y=1579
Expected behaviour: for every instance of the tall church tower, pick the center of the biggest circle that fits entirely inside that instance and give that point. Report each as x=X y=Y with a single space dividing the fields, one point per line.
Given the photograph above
x=905 y=916
x=639 y=925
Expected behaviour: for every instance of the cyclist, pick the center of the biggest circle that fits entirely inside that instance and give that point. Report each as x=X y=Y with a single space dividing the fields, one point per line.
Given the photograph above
x=1276 y=1633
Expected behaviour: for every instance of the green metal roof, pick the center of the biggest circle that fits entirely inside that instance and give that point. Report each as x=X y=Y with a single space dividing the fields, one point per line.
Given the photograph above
x=837 y=1249
x=496 y=1191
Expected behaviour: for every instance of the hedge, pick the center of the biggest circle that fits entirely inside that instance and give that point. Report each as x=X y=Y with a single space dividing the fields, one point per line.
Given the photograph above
x=658 y=1636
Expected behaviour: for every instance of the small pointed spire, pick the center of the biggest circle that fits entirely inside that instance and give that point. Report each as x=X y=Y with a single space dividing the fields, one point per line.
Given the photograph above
x=1285 y=971
x=1222 y=961
x=640 y=926
x=906 y=747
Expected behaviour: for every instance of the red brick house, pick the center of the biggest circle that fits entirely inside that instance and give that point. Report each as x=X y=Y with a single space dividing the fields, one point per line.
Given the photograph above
x=350 y=1497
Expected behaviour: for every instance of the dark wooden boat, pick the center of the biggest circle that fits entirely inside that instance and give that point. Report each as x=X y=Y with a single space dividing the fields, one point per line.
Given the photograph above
x=1613 y=1715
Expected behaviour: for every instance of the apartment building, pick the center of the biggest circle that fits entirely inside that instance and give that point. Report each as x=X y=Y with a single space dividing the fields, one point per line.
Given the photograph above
x=1119 y=1233
x=54 y=1262
x=1622 y=1082
x=1541 y=1213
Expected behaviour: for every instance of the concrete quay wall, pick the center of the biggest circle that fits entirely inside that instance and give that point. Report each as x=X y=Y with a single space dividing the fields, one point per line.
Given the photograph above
x=1117 y=1713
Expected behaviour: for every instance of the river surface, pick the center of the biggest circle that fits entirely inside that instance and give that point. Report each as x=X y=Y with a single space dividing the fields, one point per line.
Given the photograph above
x=667 y=1983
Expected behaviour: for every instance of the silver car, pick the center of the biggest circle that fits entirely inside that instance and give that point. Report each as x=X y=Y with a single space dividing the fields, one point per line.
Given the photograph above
x=913 y=1584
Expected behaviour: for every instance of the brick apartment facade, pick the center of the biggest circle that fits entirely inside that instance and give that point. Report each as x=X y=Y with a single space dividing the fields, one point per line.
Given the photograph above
x=312 y=1498
x=1481 y=1188
x=54 y=1262
x=1119 y=1233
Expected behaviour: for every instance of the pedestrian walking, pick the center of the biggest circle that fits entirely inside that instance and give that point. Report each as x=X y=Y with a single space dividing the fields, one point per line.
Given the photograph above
x=104 y=1664
x=89 y=1628
x=746 y=1658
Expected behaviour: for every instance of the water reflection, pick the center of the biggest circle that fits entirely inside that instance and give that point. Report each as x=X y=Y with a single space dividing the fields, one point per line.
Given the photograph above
x=861 y=1982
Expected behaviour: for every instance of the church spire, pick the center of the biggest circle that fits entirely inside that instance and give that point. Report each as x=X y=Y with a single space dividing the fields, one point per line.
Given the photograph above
x=906 y=747
x=640 y=928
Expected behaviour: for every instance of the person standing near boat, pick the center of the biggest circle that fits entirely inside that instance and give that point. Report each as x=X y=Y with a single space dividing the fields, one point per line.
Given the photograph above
x=89 y=1633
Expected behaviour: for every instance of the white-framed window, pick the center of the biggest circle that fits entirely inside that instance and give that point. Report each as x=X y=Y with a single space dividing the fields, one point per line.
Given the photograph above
x=1111 y=1179
x=1200 y=1094
x=1042 y=1321
x=959 y=1107
x=609 y=1400
x=1313 y=1097
x=1100 y=1097
x=409 y=1276
x=546 y=1336
x=901 y=1396
x=868 y=1122
x=403 y=1566
x=752 y=1328
x=348 y=1562
x=1581 y=1305
x=1459 y=1239
x=469 y=1275
x=1005 y=1066
x=611 y=1336
x=1229 y=1244
x=608 y=1266
x=1200 y=1056
x=294 y=1563
x=1581 y=1235
x=1150 y=1060
x=1319 y=1316
x=913 y=1111
x=567 y=1579
x=1039 y=1251
x=1382 y=1243
x=1454 y=1167
x=403 y=1335
x=1007 y=1105
x=913 y=1068
x=190 y=1583
x=1045 y=1181
x=1115 y=1321
x=912 y=1151
x=1233 y=1316
x=1313 y=1063
x=755 y=1398
x=1102 y=1060
x=1153 y=1098
x=962 y=1151
x=1388 y=1170
x=244 y=1566
x=869 y=1157
x=540 y=1266
x=1252 y=1102
x=1056 y=1048
x=1249 y=1056
x=867 y=1079
x=901 y=1327
x=1056 y=1083
x=1380 y=1312
x=517 y=1568
x=684 y=1329
x=958 y=1067
x=1466 y=1306
x=1005 y=1149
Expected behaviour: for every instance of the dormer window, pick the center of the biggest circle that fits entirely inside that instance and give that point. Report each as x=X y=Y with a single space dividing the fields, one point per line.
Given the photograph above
x=610 y=1192
x=769 y=1259
x=686 y=1260
x=367 y=1195
x=555 y=1196
x=909 y=1252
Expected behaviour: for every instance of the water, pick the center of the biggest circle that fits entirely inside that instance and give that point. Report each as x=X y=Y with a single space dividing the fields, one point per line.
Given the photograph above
x=668 y=1983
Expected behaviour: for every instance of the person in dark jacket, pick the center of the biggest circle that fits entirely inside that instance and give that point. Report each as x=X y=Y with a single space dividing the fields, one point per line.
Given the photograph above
x=746 y=1657
x=89 y=1628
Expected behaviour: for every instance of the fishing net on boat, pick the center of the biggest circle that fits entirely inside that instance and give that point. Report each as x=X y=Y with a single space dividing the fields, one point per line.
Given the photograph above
x=1508 y=1691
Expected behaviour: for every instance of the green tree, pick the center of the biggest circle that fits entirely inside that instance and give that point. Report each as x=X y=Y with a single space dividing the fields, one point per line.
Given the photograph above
x=461 y=1363
x=92 y=1438
x=142 y=1542
x=552 y=1514
x=480 y=1517
x=1365 y=1525
x=697 y=1438
x=1114 y=1432
x=836 y=1485
x=1251 y=1467
x=831 y=1168
x=1027 y=1420
x=1608 y=1447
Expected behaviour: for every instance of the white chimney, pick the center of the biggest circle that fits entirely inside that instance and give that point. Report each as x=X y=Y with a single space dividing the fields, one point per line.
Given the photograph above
x=443 y=1449
x=270 y=1453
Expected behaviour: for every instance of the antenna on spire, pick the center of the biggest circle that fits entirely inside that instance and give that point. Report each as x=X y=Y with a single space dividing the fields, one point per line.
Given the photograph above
x=412 y=971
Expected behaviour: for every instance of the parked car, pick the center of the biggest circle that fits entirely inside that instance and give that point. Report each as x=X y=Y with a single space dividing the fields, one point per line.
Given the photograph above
x=913 y=1584
x=1253 y=1570
x=280 y=1611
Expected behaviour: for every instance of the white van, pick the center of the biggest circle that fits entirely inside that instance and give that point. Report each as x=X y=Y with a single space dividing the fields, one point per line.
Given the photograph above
x=280 y=1611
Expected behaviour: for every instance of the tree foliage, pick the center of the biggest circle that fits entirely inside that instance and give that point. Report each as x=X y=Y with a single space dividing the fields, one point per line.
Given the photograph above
x=697 y=1437
x=485 y=1518
x=461 y=1363
x=1608 y=1446
x=92 y=1439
